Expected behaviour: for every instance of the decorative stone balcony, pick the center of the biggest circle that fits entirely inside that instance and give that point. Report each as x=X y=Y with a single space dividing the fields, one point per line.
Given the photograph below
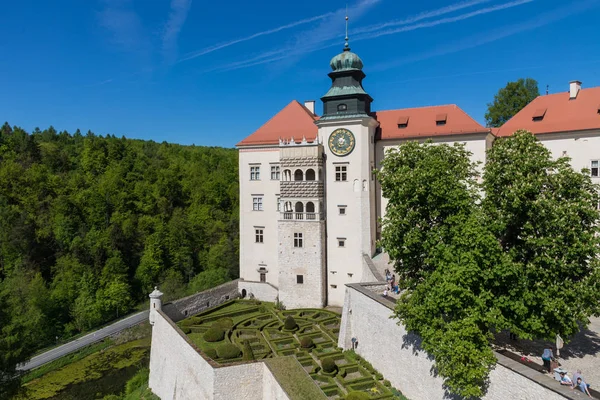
x=300 y=216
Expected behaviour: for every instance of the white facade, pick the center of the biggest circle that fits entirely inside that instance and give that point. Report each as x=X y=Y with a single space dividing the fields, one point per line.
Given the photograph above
x=581 y=147
x=259 y=215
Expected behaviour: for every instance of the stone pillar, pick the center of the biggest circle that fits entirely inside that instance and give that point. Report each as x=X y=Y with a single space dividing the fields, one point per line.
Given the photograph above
x=155 y=303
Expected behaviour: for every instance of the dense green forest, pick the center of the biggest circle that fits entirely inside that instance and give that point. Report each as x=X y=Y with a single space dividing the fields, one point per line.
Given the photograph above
x=89 y=224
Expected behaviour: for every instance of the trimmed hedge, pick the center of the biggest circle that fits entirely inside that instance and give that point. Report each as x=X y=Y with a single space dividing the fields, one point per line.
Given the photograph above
x=228 y=350
x=358 y=396
x=214 y=335
x=328 y=365
x=306 y=343
x=211 y=353
x=248 y=353
x=224 y=323
x=186 y=329
x=290 y=324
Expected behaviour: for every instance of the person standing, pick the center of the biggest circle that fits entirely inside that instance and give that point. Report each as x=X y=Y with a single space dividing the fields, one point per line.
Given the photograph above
x=547 y=356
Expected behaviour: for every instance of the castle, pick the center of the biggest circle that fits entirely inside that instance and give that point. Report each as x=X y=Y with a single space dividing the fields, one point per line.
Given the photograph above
x=309 y=200
x=309 y=205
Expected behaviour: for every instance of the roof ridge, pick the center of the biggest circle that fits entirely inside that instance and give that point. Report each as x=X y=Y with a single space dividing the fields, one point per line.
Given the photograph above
x=418 y=108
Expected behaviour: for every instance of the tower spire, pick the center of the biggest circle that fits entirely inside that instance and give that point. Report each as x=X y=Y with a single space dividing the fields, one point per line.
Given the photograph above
x=346 y=45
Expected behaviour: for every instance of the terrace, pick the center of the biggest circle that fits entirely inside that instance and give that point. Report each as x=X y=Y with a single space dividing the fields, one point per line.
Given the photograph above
x=247 y=330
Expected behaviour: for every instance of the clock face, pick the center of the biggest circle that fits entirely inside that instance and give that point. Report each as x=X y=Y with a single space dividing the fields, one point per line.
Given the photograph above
x=341 y=142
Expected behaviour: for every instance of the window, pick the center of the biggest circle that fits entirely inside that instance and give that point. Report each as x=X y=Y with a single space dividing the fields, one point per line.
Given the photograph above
x=278 y=200
x=275 y=174
x=310 y=174
x=298 y=175
x=262 y=272
x=300 y=279
x=298 y=241
x=258 y=234
x=341 y=242
x=255 y=173
x=342 y=107
x=342 y=210
x=257 y=204
x=594 y=169
x=333 y=286
x=341 y=173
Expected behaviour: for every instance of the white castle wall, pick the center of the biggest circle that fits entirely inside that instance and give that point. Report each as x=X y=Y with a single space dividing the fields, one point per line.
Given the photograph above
x=260 y=291
x=178 y=371
x=366 y=316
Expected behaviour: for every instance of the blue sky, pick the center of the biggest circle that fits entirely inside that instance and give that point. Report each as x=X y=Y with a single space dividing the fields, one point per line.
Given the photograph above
x=210 y=73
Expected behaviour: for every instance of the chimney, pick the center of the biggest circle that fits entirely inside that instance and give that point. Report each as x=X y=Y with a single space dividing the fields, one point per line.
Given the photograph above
x=310 y=104
x=575 y=87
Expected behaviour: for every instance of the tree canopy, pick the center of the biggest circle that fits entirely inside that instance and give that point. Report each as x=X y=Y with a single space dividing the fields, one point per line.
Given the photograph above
x=521 y=257
x=510 y=100
x=89 y=224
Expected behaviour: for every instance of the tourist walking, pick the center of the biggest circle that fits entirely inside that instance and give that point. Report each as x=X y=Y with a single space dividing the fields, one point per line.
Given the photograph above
x=547 y=356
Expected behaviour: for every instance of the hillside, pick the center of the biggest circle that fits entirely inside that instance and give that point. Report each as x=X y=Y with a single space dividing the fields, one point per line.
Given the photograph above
x=89 y=224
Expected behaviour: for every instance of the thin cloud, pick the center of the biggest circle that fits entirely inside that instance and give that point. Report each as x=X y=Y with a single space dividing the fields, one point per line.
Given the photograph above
x=123 y=24
x=223 y=45
x=497 y=34
x=419 y=17
x=318 y=43
x=442 y=21
x=177 y=16
x=331 y=26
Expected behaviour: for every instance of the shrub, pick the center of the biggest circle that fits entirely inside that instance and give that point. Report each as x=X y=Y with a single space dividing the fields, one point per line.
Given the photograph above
x=248 y=353
x=357 y=396
x=387 y=383
x=328 y=365
x=186 y=329
x=224 y=323
x=211 y=353
x=228 y=351
x=306 y=343
x=290 y=323
x=378 y=376
x=214 y=335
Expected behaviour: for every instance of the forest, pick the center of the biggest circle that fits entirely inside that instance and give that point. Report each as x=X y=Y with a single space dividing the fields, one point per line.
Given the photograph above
x=89 y=224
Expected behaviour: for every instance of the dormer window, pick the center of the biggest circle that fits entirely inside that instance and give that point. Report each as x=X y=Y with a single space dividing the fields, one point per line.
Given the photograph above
x=539 y=114
x=402 y=122
x=440 y=119
x=342 y=107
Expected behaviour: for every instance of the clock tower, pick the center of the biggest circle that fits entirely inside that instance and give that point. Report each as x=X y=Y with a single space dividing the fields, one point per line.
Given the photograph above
x=348 y=131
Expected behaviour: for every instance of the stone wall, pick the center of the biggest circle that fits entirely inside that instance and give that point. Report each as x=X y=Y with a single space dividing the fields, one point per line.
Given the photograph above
x=179 y=371
x=307 y=261
x=398 y=356
x=182 y=308
x=261 y=291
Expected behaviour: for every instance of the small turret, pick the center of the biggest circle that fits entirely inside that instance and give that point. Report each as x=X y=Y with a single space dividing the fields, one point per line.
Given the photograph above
x=155 y=303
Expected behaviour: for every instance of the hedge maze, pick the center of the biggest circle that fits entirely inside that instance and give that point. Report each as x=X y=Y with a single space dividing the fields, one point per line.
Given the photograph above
x=244 y=330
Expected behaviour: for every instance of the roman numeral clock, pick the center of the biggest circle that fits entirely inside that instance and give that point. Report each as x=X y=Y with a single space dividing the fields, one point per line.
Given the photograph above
x=341 y=142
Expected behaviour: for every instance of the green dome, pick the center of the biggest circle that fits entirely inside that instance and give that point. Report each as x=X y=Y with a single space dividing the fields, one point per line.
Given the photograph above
x=345 y=61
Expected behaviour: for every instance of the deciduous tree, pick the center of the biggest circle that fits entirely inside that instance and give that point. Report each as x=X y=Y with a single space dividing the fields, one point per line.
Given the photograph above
x=510 y=100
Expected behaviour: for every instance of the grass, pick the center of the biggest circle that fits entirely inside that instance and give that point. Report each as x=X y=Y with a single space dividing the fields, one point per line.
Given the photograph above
x=66 y=360
x=117 y=361
x=293 y=379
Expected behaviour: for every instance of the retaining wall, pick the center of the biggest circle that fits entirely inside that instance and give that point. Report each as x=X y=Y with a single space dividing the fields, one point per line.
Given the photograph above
x=397 y=354
x=191 y=305
x=179 y=371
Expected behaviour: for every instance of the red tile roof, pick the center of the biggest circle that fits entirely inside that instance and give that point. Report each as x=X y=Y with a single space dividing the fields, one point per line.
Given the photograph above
x=423 y=122
x=561 y=114
x=297 y=121
x=294 y=121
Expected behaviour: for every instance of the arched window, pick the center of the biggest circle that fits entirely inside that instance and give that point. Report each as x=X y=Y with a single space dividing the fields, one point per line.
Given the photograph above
x=298 y=175
x=310 y=174
x=287 y=206
x=310 y=210
x=299 y=210
x=287 y=175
